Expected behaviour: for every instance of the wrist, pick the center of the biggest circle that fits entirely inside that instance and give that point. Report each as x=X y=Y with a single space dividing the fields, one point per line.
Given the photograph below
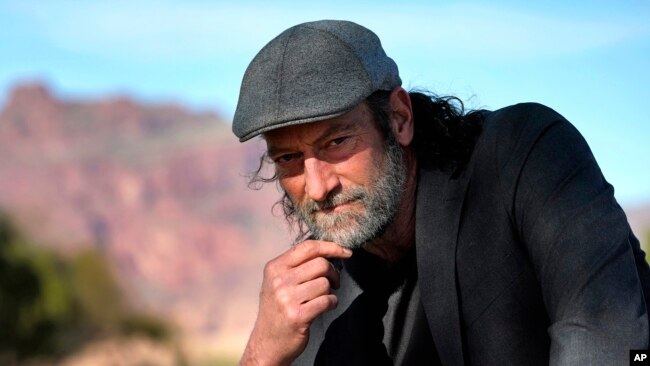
x=257 y=353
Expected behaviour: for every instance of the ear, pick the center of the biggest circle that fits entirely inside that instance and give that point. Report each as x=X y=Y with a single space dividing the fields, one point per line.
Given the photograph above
x=401 y=116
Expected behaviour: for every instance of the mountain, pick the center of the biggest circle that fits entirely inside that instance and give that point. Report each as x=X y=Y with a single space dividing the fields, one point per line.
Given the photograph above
x=159 y=189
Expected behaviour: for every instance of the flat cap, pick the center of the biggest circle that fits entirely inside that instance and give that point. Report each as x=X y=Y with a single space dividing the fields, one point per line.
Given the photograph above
x=311 y=72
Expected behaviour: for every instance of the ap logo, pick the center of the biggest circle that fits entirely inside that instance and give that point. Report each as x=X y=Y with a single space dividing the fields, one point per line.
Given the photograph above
x=639 y=357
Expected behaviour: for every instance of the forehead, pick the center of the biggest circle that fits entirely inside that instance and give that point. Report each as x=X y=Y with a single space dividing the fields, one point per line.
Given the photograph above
x=359 y=119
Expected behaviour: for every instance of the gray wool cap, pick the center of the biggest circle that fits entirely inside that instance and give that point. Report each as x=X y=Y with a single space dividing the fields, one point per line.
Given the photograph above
x=311 y=72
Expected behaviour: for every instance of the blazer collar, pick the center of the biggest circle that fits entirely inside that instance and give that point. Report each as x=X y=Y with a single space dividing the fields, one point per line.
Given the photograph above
x=439 y=206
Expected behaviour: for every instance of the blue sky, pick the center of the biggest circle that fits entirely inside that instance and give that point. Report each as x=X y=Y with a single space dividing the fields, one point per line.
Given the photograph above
x=589 y=60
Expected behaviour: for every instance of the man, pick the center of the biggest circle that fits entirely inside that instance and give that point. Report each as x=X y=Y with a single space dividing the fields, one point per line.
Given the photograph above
x=430 y=236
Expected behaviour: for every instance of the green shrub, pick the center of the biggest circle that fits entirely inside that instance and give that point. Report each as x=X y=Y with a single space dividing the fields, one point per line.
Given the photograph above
x=51 y=306
x=143 y=324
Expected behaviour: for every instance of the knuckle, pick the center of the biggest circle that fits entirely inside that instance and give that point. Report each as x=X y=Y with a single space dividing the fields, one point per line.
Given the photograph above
x=282 y=297
x=293 y=314
x=323 y=283
x=269 y=269
x=320 y=266
x=277 y=283
x=310 y=248
x=325 y=302
x=323 y=264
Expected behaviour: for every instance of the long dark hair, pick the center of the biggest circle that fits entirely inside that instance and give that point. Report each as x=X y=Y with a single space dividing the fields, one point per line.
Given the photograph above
x=445 y=134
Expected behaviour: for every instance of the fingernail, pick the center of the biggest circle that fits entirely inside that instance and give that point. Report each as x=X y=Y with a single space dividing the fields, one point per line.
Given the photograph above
x=347 y=251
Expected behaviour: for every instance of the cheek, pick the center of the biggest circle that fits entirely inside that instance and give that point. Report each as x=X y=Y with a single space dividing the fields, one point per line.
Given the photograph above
x=294 y=186
x=360 y=169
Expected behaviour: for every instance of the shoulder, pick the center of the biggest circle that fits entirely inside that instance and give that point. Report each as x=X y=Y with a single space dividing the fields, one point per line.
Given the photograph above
x=528 y=109
x=519 y=121
x=513 y=131
x=526 y=134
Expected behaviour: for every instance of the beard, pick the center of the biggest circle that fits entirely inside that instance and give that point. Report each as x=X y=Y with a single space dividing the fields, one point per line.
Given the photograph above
x=354 y=226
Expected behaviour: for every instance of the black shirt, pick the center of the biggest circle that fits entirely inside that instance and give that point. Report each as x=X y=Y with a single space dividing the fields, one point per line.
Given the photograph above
x=379 y=319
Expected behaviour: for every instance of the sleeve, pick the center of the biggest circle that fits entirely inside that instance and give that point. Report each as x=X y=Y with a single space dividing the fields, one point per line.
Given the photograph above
x=583 y=252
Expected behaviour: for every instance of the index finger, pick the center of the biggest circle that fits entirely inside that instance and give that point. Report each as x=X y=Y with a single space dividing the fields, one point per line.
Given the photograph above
x=310 y=249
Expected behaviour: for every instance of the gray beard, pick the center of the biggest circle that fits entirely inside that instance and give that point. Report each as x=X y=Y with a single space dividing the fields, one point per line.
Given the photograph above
x=355 y=227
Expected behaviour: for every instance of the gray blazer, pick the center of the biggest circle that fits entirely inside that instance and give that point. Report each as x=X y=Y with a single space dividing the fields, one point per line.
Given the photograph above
x=524 y=257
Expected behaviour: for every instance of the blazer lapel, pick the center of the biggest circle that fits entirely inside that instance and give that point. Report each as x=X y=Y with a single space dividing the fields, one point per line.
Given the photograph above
x=439 y=207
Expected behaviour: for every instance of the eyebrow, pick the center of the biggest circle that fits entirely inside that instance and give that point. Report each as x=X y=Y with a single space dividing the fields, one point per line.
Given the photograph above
x=336 y=127
x=274 y=151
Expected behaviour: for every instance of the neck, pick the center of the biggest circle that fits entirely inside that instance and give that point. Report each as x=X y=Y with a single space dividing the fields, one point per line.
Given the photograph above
x=399 y=236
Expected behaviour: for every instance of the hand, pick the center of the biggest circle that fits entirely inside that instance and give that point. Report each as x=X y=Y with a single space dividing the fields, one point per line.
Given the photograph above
x=295 y=290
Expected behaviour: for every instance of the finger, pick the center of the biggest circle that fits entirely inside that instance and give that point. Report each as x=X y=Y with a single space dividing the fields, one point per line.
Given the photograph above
x=313 y=308
x=317 y=267
x=311 y=249
x=312 y=289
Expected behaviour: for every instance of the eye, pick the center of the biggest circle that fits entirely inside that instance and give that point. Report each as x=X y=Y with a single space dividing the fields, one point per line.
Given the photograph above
x=286 y=158
x=339 y=141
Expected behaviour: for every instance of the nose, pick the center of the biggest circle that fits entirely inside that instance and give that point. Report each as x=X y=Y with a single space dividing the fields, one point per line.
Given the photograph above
x=320 y=179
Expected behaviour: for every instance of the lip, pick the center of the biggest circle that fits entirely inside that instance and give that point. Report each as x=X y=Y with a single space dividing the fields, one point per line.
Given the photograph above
x=339 y=208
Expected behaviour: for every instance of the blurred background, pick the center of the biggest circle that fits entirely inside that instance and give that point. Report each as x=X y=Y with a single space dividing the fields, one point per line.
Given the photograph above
x=128 y=235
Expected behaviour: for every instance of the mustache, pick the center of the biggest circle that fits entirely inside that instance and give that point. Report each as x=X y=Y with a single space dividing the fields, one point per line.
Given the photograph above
x=335 y=198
